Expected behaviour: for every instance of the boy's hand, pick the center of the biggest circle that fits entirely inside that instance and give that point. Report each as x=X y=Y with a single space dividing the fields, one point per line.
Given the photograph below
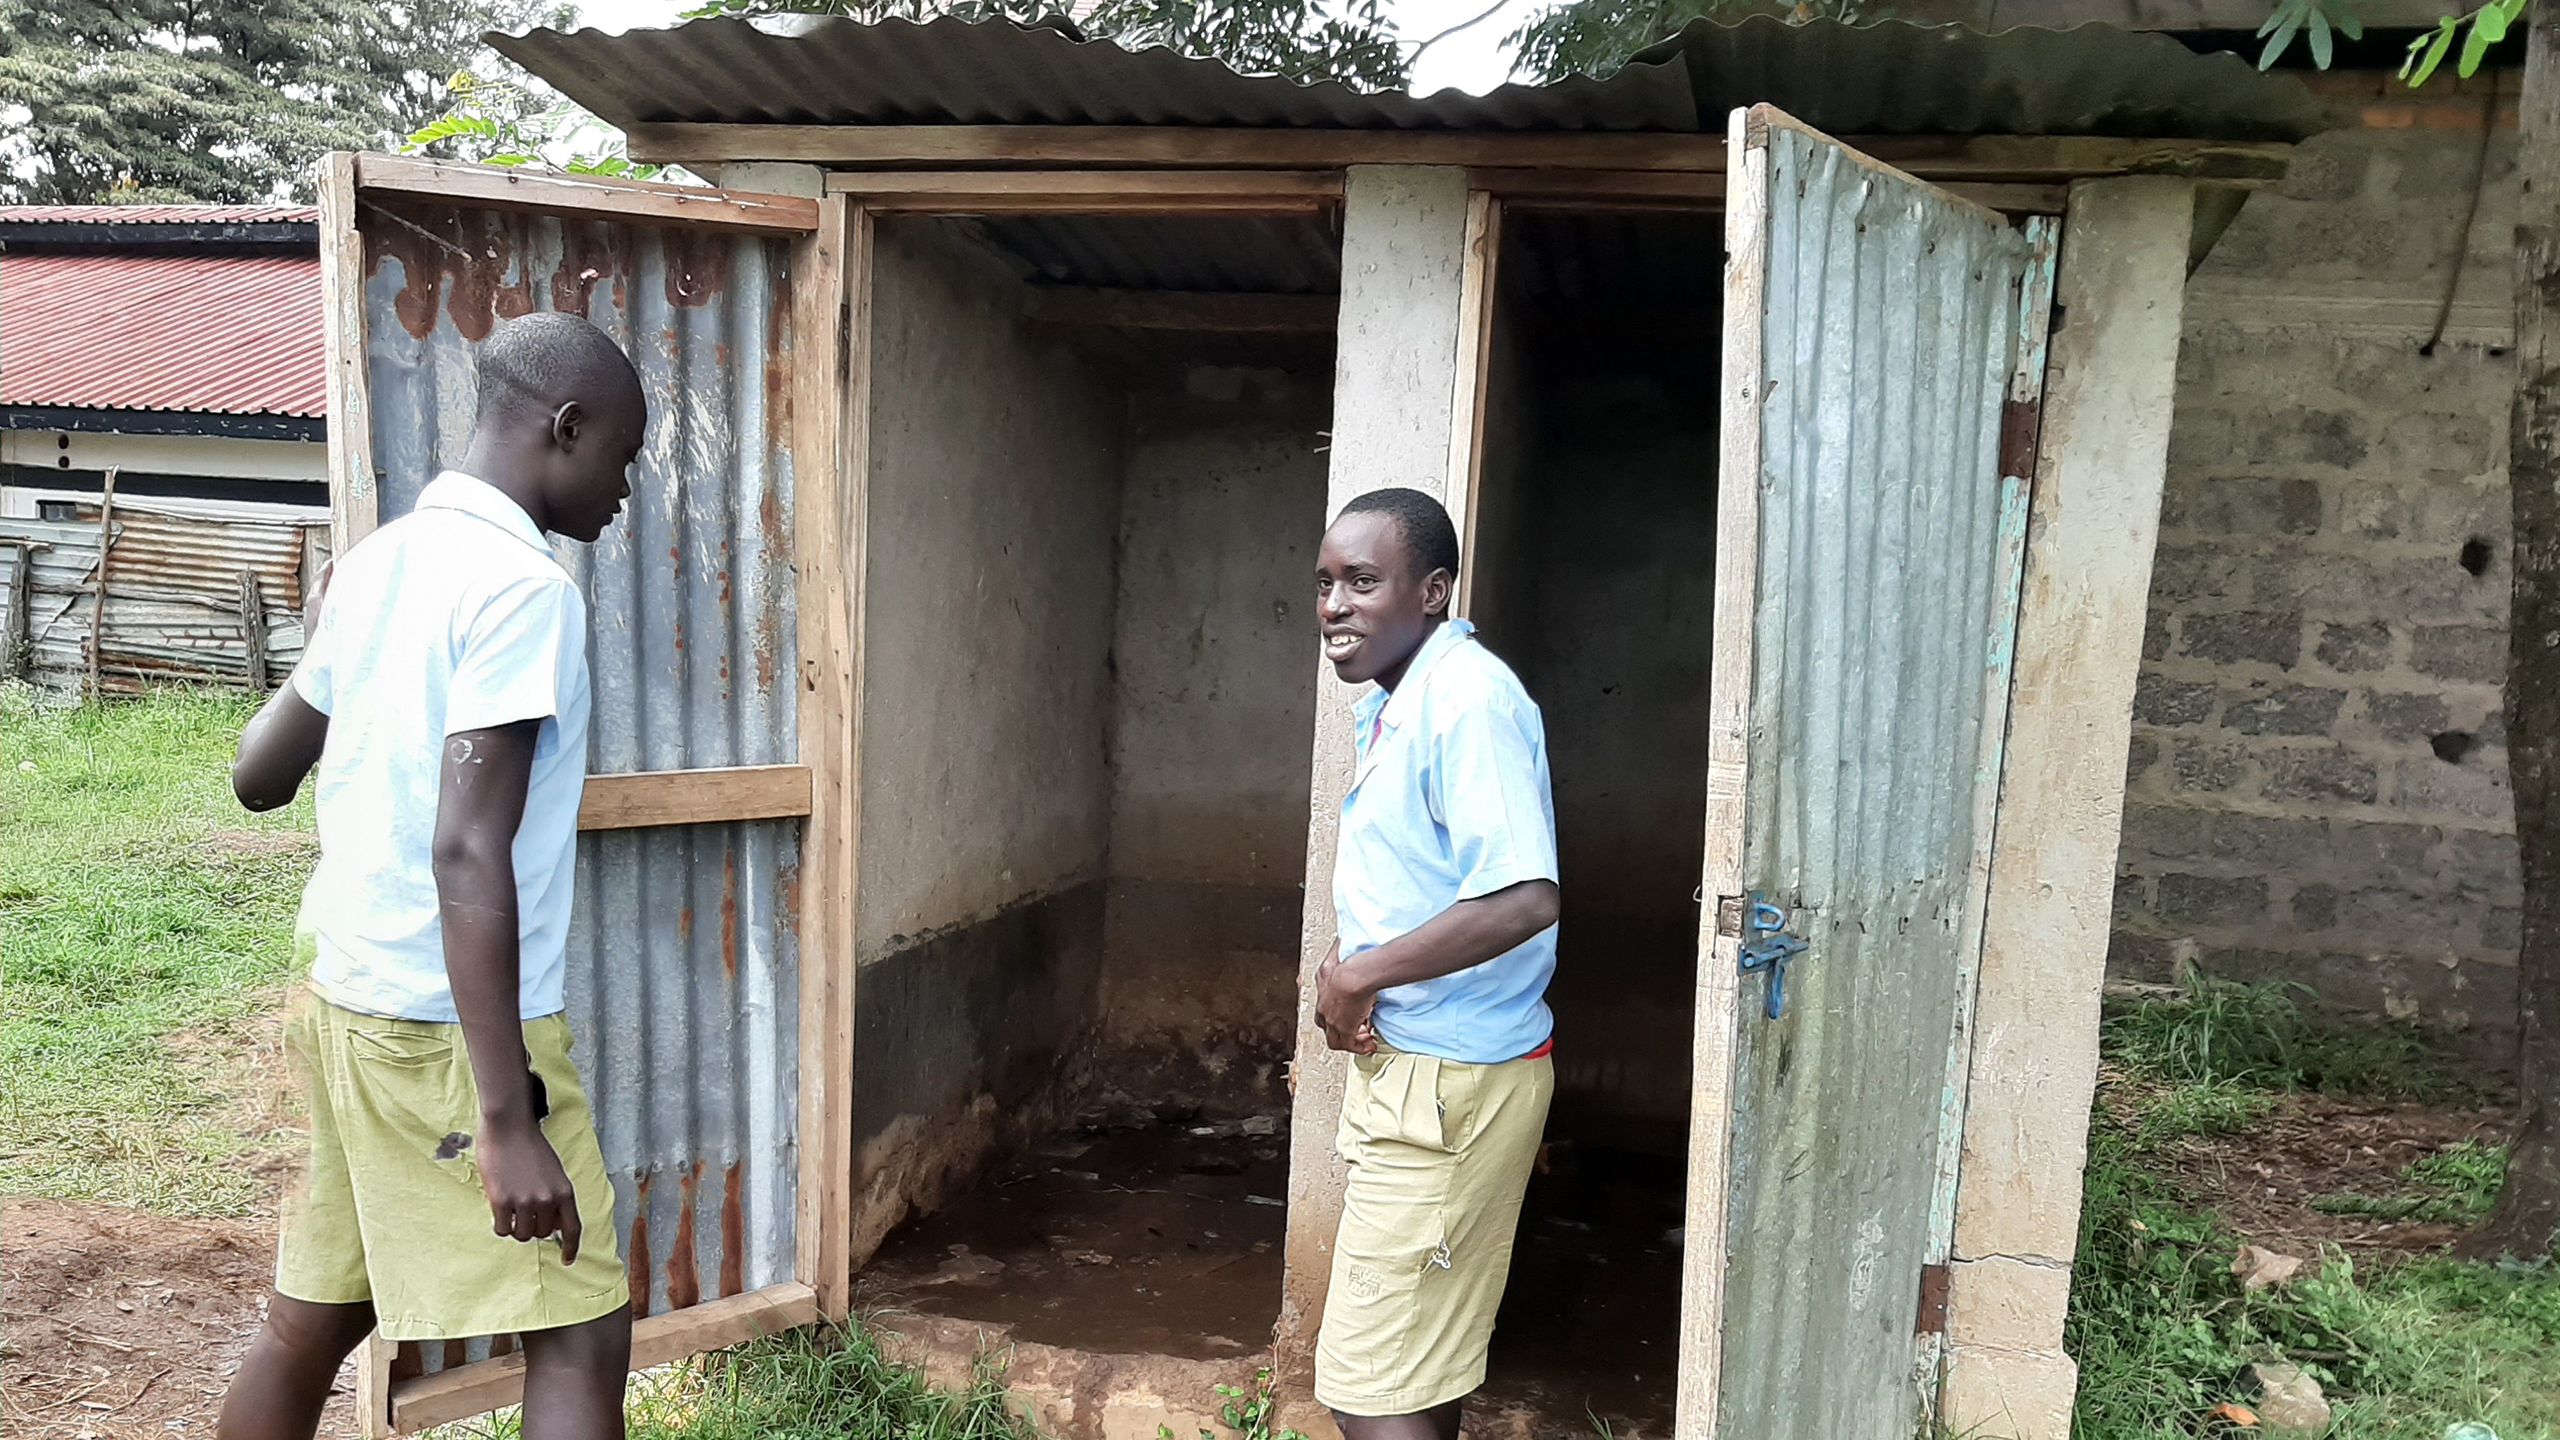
x=530 y=1197
x=1343 y=1010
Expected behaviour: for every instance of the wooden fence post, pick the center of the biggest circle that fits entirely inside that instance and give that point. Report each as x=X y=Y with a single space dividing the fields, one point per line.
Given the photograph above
x=253 y=630
x=98 y=613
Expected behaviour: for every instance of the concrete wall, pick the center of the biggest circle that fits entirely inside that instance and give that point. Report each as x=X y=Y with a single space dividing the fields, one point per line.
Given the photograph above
x=995 y=470
x=1220 y=514
x=2318 y=785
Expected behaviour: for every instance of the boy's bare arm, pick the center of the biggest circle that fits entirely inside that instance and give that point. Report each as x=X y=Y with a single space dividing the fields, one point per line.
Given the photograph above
x=479 y=807
x=284 y=739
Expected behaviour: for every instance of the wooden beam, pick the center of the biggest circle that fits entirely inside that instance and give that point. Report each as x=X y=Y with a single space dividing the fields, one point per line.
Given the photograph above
x=451 y=1395
x=1242 y=314
x=828 y=409
x=355 y=500
x=626 y=200
x=1679 y=190
x=1092 y=192
x=1177 y=147
x=694 y=797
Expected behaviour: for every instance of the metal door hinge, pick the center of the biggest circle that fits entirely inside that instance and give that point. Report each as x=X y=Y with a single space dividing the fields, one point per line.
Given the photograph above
x=1933 y=1301
x=1766 y=945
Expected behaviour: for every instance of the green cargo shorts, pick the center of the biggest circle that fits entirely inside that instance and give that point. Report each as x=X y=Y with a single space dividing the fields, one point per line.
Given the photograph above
x=391 y=1210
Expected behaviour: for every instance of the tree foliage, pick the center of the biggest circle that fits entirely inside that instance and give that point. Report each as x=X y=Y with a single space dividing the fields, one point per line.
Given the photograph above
x=1304 y=40
x=218 y=100
x=1594 y=37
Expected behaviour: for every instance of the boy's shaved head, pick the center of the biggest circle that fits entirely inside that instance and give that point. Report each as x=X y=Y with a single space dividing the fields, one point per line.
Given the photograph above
x=536 y=363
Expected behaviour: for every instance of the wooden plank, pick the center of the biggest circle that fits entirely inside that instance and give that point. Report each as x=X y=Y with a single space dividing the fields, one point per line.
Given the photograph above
x=1729 y=684
x=106 y=553
x=354 y=489
x=694 y=797
x=1189 y=310
x=628 y=201
x=829 y=330
x=451 y=1395
x=1476 y=286
x=373 y=1386
x=1092 y=191
x=1175 y=147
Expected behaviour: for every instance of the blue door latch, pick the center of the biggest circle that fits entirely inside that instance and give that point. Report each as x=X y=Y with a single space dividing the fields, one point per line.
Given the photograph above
x=1766 y=945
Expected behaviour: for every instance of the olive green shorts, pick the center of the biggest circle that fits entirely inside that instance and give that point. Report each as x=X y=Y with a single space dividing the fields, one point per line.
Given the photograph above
x=391 y=1209
x=1440 y=1156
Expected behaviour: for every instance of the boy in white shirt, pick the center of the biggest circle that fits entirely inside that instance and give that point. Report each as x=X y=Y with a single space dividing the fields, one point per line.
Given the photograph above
x=456 y=1187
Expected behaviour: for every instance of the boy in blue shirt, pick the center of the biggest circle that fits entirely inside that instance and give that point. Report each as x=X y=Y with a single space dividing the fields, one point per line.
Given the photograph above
x=1445 y=905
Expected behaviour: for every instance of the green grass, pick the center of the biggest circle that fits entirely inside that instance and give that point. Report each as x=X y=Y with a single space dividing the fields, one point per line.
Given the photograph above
x=146 y=923
x=2457 y=1186
x=2161 y=1328
x=819 y=1384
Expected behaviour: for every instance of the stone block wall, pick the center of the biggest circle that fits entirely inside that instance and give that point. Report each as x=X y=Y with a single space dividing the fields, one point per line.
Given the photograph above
x=2318 y=784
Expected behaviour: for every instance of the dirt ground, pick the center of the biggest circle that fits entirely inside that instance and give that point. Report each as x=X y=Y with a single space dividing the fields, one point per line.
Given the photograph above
x=117 y=1324
x=2263 y=1181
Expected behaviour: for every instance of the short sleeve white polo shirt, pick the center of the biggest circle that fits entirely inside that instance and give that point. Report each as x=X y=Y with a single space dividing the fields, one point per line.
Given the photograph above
x=1451 y=800
x=452 y=618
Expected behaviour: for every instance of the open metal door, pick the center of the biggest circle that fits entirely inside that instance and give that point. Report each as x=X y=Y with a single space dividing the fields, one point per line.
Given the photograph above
x=709 y=969
x=1883 y=353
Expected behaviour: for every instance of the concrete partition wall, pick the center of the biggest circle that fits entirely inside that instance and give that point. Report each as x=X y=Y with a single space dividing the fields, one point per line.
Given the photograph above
x=995 y=464
x=1219 y=519
x=2093 y=521
x=1400 y=382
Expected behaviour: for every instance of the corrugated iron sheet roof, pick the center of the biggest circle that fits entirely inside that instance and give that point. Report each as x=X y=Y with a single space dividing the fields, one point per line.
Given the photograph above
x=1887 y=78
x=159 y=214
x=233 y=335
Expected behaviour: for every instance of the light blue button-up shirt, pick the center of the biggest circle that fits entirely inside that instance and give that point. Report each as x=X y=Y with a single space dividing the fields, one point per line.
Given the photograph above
x=1450 y=802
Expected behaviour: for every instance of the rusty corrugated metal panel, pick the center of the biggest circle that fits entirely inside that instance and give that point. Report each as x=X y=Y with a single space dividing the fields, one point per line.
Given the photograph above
x=1882 y=78
x=683 y=957
x=824 y=70
x=222 y=334
x=1884 y=621
x=173 y=612
x=159 y=215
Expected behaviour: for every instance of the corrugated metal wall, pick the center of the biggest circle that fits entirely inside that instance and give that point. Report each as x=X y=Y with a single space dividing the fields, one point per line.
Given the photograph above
x=683 y=960
x=174 y=611
x=1882 y=639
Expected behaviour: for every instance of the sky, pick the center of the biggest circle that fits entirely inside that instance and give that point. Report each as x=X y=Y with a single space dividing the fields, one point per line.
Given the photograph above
x=1471 y=60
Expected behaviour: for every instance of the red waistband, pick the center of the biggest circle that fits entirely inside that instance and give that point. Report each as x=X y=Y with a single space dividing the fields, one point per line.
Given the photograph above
x=1543 y=1051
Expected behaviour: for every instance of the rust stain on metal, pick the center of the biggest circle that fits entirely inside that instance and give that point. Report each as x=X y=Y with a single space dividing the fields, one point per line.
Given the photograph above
x=684 y=924
x=684 y=1287
x=771 y=529
x=729 y=914
x=2020 y=420
x=788 y=878
x=697 y=266
x=421 y=279
x=586 y=257
x=733 y=1230
x=480 y=280
x=637 y=1262
x=679 y=637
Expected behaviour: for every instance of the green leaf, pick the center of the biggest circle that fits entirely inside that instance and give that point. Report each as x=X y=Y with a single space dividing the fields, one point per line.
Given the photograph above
x=2350 y=23
x=2475 y=46
x=451 y=127
x=2282 y=40
x=512 y=159
x=2436 y=50
x=2490 y=26
x=2322 y=43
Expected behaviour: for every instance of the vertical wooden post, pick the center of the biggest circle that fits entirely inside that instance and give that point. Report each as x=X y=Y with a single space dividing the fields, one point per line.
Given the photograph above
x=98 y=612
x=355 y=501
x=253 y=633
x=20 y=660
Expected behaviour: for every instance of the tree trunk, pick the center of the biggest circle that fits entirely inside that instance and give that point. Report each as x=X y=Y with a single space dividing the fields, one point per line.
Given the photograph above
x=2528 y=1213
